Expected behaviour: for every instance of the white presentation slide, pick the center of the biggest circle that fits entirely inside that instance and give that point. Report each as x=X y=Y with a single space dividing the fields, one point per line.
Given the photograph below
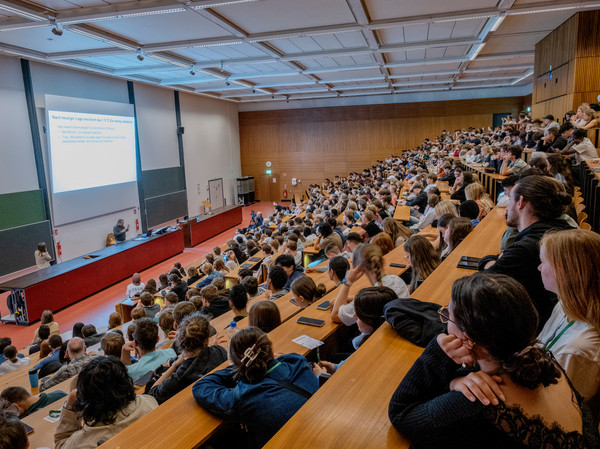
x=90 y=150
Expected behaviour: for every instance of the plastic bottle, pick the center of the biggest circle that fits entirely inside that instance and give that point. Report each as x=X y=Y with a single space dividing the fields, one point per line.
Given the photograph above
x=231 y=331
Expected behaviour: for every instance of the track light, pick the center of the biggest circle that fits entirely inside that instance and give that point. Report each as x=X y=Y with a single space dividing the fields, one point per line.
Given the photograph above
x=140 y=54
x=227 y=82
x=193 y=70
x=57 y=30
x=253 y=90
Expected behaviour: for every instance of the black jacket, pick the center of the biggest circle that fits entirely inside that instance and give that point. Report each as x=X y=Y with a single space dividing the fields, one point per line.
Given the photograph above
x=450 y=178
x=180 y=289
x=189 y=372
x=216 y=308
x=420 y=201
x=521 y=260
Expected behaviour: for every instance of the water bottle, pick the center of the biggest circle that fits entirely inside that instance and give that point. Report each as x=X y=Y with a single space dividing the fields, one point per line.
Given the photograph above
x=231 y=331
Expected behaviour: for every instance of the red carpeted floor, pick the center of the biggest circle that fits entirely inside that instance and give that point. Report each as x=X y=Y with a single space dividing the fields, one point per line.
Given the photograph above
x=96 y=308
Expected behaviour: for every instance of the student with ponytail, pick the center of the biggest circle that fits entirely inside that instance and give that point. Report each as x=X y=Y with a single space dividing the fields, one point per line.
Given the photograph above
x=368 y=262
x=196 y=359
x=509 y=397
x=257 y=390
x=305 y=291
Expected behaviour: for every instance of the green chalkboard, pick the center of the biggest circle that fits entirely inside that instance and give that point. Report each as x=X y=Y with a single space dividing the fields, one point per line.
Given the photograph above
x=21 y=208
x=162 y=181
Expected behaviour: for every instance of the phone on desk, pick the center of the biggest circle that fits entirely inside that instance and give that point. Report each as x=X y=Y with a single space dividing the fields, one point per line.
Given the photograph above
x=310 y=321
x=28 y=428
x=470 y=259
x=467 y=265
x=397 y=265
x=324 y=305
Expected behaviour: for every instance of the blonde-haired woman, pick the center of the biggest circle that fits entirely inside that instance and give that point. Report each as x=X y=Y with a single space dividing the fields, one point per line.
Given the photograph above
x=423 y=259
x=368 y=261
x=570 y=267
x=476 y=192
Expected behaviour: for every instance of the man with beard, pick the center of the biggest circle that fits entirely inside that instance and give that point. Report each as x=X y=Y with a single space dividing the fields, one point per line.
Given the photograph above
x=535 y=206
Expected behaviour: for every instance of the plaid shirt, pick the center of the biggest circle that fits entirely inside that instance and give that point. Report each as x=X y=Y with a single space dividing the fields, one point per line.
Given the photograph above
x=65 y=372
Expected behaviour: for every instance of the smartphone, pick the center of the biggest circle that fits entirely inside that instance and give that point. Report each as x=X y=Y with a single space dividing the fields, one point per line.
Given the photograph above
x=324 y=305
x=470 y=259
x=468 y=265
x=397 y=265
x=28 y=428
x=310 y=321
x=141 y=381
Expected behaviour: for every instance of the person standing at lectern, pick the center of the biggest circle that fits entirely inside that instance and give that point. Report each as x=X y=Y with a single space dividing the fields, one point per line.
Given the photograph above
x=120 y=230
x=42 y=258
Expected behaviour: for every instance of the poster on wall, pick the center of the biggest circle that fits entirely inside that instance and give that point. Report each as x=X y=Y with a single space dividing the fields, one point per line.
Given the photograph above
x=215 y=193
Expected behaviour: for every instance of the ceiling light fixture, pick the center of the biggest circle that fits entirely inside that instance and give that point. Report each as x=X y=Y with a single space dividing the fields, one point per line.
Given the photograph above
x=57 y=29
x=192 y=70
x=140 y=54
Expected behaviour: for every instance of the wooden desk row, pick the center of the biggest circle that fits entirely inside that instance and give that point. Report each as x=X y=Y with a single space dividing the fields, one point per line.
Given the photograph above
x=350 y=409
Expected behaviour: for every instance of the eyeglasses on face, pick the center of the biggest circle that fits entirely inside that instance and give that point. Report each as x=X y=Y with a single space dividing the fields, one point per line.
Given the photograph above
x=444 y=315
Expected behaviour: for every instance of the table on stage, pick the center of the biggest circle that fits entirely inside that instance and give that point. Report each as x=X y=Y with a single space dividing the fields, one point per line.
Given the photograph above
x=65 y=283
x=201 y=228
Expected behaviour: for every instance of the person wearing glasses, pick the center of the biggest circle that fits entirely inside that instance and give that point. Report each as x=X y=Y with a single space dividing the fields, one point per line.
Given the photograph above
x=440 y=403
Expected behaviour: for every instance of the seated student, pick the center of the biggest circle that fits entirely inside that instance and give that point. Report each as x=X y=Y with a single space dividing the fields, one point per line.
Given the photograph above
x=513 y=164
x=12 y=362
x=163 y=280
x=368 y=304
x=238 y=301
x=114 y=320
x=250 y=283
x=422 y=258
x=398 y=232
x=26 y=403
x=327 y=236
x=258 y=391
x=112 y=344
x=91 y=335
x=103 y=404
x=305 y=291
x=51 y=362
x=276 y=282
x=42 y=334
x=536 y=206
x=368 y=262
x=213 y=305
x=12 y=432
x=138 y=313
x=147 y=303
x=509 y=398
x=179 y=268
x=48 y=320
x=292 y=250
x=369 y=224
x=291 y=269
x=384 y=241
x=196 y=359
x=582 y=148
x=570 y=267
x=232 y=260
x=76 y=352
x=460 y=186
x=476 y=192
x=469 y=209
x=458 y=228
x=220 y=267
x=136 y=285
x=243 y=273
x=144 y=345
x=427 y=217
x=4 y=342
x=210 y=274
x=193 y=275
x=264 y=315
x=418 y=203
x=178 y=286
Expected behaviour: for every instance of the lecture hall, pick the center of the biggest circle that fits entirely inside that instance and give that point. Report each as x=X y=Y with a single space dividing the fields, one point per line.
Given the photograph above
x=299 y=224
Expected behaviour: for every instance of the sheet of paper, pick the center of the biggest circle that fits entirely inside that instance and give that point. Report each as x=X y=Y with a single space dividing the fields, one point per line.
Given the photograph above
x=307 y=342
x=51 y=419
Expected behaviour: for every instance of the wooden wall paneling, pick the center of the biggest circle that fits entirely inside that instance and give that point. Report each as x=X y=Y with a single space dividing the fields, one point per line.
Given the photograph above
x=588 y=38
x=588 y=74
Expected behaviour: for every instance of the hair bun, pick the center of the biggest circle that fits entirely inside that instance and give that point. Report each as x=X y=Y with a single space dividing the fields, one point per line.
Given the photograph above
x=532 y=367
x=564 y=198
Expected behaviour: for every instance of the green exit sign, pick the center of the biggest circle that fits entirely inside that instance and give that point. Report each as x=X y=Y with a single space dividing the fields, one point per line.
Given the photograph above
x=268 y=172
